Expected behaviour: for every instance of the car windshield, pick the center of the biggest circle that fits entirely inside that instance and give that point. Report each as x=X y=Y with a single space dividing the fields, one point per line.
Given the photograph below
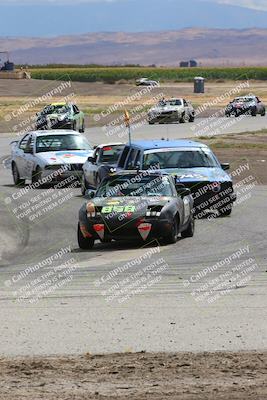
x=180 y=159
x=56 y=109
x=61 y=142
x=244 y=99
x=135 y=185
x=173 y=102
x=111 y=153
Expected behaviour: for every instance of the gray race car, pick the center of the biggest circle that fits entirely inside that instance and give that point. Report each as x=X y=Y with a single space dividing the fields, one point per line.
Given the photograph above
x=249 y=105
x=136 y=206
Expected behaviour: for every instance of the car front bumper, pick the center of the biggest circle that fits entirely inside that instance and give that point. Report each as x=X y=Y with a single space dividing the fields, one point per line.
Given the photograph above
x=160 y=228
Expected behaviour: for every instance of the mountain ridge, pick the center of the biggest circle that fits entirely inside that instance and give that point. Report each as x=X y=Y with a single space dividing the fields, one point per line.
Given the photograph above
x=212 y=47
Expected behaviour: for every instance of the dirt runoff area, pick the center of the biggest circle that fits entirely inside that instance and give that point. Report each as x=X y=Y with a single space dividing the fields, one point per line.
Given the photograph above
x=137 y=376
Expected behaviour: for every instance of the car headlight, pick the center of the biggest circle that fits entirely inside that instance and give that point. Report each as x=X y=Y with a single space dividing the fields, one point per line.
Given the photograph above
x=90 y=210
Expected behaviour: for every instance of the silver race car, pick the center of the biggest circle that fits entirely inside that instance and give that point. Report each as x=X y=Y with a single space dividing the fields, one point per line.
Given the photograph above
x=172 y=110
x=58 y=154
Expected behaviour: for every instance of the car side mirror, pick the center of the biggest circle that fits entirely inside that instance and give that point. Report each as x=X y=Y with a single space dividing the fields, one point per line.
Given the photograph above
x=182 y=190
x=89 y=194
x=225 y=166
x=92 y=160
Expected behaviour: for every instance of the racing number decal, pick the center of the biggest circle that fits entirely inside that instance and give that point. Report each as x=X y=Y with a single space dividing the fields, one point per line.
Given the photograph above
x=117 y=209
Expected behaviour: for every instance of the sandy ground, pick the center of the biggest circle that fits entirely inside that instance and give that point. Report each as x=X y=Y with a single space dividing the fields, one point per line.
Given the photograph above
x=137 y=376
x=239 y=149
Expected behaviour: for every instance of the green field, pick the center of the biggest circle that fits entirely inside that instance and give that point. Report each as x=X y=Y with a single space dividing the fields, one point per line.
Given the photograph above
x=115 y=74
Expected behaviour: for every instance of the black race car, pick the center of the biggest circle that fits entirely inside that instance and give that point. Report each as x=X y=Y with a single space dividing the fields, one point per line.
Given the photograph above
x=140 y=205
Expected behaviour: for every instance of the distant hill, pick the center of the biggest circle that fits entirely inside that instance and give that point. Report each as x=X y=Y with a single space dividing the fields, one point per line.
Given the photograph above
x=208 y=46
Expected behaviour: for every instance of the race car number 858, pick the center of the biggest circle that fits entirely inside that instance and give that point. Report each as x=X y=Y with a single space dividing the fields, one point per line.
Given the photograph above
x=117 y=209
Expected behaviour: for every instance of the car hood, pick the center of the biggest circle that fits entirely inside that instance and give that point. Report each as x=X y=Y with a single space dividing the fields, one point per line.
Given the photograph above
x=131 y=200
x=244 y=103
x=165 y=108
x=199 y=174
x=65 y=157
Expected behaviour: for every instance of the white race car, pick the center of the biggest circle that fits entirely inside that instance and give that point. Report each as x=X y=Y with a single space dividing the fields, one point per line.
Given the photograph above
x=146 y=82
x=55 y=153
x=172 y=110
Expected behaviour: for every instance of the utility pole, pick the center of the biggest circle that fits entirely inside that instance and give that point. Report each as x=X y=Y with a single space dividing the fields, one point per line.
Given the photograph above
x=128 y=124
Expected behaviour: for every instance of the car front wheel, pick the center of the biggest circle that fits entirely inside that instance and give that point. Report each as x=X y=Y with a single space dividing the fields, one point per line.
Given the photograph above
x=37 y=176
x=84 y=243
x=81 y=130
x=226 y=211
x=84 y=185
x=16 y=177
x=189 y=232
x=173 y=235
x=191 y=118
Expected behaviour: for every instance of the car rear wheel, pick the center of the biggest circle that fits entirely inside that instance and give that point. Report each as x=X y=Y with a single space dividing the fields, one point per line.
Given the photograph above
x=84 y=243
x=189 y=232
x=16 y=177
x=263 y=113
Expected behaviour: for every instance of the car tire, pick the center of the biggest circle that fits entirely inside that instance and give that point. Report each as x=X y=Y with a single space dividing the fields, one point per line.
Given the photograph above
x=253 y=112
x=191 y=118
x=226 y=212
x=16 y=177
x=37 y=176
x=182 y=119
x=81 y=130
x=189 y=231
x=84 y=185
x=263 y=113
x=98 y=180
x=151 y=122
x=173 y=236
x=84 y=243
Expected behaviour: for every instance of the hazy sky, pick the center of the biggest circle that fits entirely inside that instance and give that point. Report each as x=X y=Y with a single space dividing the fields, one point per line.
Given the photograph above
x=56 y=17
x=252 y=4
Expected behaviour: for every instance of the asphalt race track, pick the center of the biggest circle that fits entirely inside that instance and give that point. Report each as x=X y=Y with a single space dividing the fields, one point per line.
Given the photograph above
x=178 y=310
x=201 y=127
